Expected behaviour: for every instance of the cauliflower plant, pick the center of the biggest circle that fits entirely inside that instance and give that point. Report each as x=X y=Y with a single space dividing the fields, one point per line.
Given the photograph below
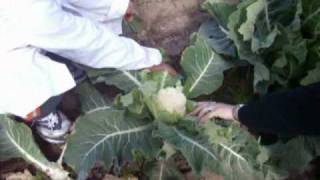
x=162 y=96
x=172 y=100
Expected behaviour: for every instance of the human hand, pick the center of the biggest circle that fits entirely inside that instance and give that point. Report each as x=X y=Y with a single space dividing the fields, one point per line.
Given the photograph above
x=164 y=67
x=131 y=12
x=209 y=110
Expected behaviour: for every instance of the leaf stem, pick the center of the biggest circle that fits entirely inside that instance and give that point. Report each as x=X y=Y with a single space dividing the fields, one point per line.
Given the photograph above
x=232 y=151
x=164 y=78
x=131 y=77
x=267 y=15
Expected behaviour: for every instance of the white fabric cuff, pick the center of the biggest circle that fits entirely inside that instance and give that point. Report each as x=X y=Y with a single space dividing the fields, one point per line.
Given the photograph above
x=152 y=57
x=118 y=9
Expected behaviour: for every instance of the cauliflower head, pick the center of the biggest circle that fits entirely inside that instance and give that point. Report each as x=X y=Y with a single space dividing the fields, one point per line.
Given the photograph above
x=172 y=100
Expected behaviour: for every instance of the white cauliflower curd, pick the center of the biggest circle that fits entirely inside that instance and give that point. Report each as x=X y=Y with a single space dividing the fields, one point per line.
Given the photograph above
x=172 y=100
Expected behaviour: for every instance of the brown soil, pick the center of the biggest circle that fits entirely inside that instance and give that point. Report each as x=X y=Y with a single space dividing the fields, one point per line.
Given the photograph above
x=168 y=24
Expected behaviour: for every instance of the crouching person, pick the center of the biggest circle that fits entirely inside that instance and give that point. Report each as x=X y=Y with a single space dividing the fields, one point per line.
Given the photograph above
x=42 y=41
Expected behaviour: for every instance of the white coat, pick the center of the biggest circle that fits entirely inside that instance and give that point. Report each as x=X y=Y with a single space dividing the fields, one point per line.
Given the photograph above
x=85 y=31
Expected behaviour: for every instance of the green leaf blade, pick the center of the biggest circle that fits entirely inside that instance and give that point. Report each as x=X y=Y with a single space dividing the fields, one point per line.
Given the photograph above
x=203 y=68
x=124 y=80
x=311 y=13
x=16 y=141
x=163 y=170
x=106 y=135
x=312 y=77
x=217 y=39
x=198 y=153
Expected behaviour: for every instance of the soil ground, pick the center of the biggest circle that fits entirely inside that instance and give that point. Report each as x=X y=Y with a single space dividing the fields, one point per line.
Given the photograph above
x=168 y=24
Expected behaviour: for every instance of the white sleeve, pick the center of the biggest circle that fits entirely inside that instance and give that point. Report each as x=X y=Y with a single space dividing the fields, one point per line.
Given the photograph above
x=49 y=27
x=101 y=10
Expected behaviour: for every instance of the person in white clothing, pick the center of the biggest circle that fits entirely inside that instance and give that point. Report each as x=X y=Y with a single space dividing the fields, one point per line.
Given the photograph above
x=86 y=32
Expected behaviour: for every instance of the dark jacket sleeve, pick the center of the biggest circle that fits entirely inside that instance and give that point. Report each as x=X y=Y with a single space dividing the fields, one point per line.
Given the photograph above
x=295 y=112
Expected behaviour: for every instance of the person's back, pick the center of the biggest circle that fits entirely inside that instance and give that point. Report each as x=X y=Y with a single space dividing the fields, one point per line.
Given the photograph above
x=21 y=65
x=11 y=33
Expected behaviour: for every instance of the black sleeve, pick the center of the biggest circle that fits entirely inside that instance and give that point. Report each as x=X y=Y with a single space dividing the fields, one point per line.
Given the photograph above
x=296 y=112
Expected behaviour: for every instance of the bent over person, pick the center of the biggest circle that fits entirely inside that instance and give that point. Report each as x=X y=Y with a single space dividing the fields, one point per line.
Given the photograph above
x=42 y=41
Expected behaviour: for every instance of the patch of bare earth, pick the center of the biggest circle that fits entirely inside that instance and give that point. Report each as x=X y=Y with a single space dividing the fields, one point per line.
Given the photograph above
x=168 y=24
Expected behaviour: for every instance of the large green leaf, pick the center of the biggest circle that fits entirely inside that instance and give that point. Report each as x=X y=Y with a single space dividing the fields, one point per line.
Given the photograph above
x=267 y=34
x=261 y=77
x=237 y=151
x=262 y=19
x=313 y=76
x=215 y=30
x=276 y=13
x=91 y=99
x=217 y=38
x=248 y=27
x=227 y=150
x=261 y=72
x=296 y=46
x=105 y=135
x=124 y=80
x=311 y=16
x=294 y=155
x=234 y=23
x=163 y=170
x=289 y=61
x=314 y=145
x=203 y=69
x=220 y=10
x=16 y=141
x=196 y=149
